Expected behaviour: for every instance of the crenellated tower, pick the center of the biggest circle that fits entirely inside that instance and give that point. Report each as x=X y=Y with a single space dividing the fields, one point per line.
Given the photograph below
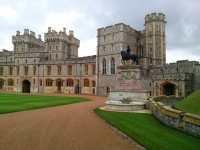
x=153 y=40
x=60 y=46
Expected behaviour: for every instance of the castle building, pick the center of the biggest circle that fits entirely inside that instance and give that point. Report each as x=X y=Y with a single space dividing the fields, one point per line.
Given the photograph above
x=53 y=65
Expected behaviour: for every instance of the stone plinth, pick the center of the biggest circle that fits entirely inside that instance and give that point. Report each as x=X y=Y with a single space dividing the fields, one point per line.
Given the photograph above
x=128 y=85
x=128 y=78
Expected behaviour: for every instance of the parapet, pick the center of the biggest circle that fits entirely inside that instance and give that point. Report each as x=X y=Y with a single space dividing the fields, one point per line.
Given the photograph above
x=52 y=34
x=155 y=17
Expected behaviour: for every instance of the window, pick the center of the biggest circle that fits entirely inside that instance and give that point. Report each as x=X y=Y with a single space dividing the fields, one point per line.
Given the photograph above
x=150 y=50
x=70 y=82
x=49 y=82
x=104 y=49
x=86 y=83
x=40 y=82
x=56 y=56
x=26 y=61
x=86 y=69
x=22 y=50
x=104 y=38
x=33 y=81
x=34 y=70
x=150 y=60
x=48 y=70
x=34 y=61
x=49 y=57
x=49 y=48
x=150 y=84
x=56 y=47
x=93 y=69
x=10 y=71
x=1 y=71
x=59 y=70
x=10 y=82
x=93 y=84
x=26 y=70
x=17 y=81
x=18 y=61
x=59 y=82
x=112 y=48
x=104 y=66
x=112 y=66
x=17 y=71
x=107 y=90
x=70 y=70
x=157 y=27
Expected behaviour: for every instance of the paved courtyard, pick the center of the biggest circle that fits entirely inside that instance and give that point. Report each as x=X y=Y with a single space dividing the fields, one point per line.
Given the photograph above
x=67 y=127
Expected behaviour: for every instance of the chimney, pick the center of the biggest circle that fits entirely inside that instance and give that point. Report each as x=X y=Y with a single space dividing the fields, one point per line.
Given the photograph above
x=64 y=30
x=49 y=29
x=71 y=33
x=18 y=33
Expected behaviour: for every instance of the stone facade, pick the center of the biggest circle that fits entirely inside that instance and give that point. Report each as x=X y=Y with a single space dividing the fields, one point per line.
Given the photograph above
x=53 y=65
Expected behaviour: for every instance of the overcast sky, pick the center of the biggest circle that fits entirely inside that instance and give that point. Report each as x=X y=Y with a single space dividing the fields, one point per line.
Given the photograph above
x=86 y=16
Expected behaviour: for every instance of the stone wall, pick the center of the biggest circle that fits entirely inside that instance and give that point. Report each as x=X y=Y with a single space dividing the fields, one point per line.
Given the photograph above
x=185 y=122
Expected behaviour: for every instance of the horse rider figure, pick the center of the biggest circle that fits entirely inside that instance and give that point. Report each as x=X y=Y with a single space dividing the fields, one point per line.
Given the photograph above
x=128 y=51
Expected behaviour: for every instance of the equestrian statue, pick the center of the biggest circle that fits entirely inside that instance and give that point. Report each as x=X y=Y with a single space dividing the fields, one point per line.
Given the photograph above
x=127 y=56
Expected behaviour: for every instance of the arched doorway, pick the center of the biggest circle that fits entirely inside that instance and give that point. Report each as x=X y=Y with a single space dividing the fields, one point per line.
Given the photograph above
x=59 y=84
x=26 y=86
x=168 y=88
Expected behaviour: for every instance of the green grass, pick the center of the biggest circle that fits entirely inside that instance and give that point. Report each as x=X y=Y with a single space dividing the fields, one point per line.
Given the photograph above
x=190 y=104
x=20 y=102
x=144 y=129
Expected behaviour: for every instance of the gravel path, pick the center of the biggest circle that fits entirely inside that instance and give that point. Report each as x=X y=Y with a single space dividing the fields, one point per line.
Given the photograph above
x=67 y=127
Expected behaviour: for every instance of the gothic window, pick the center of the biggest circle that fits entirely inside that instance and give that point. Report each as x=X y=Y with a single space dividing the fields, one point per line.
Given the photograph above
x=34 y=70
x=93 y=84
x=112 y=48
x=1 y=71
x=40 y=82
x=112 y=66
x=69 y=69
x=104 y=66
x=17 y=71
x=49 y=82
x=104 y=49
x=56 y=47
x=26 y=70
x=49 y=56
x=70 y=82
x=10 y=71
x=93 y=69
x=59 y=70
x=150 y=50
x=10 y=82
x=48 y=70
x=86 y=69
x=86 y=83
x=150 y=60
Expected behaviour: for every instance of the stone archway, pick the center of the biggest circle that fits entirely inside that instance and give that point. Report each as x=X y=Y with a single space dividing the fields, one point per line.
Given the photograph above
x=26 y=86
x=168 y=88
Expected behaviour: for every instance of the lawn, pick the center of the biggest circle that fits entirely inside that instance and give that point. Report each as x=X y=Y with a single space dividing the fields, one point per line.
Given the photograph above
x=191 y=103
x=20 y=102
x=147 y=131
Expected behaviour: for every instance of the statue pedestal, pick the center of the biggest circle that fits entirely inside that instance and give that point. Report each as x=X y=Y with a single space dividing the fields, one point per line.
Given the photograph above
x=128 y=86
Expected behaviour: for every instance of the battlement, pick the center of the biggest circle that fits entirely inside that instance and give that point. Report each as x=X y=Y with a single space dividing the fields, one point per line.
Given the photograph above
x=27 y=37
x=52 y=35
x=155 y=17
x=116 y=28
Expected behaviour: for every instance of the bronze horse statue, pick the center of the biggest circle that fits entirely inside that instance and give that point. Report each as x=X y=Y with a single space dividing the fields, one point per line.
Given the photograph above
x=125 y=56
